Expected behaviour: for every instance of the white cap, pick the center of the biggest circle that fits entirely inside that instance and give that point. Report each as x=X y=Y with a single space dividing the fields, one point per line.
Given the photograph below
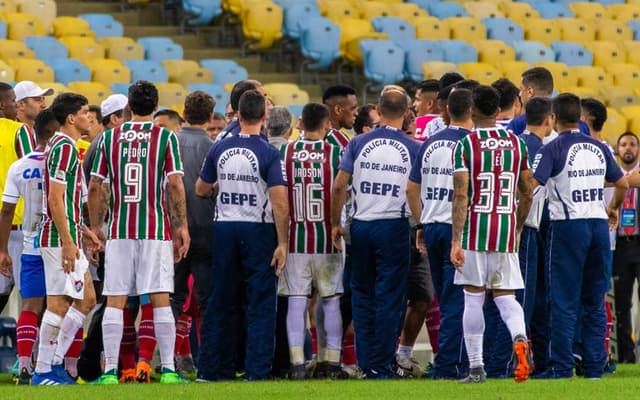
x=26 y=89
x=113 y=103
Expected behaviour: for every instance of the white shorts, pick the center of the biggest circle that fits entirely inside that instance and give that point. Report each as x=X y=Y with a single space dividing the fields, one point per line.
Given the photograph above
x=137 y=267
x=55 y=278
x=490 y=269
x=304 y=271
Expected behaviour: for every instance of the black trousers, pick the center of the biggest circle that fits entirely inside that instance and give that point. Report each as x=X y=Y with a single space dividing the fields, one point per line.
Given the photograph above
x=626 y=270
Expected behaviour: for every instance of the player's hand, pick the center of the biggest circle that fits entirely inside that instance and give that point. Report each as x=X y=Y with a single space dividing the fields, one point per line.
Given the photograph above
x=6 y=265
x=613 y=218
x=70 y=253
x=279 y=258
x=518 y=237
x=181 y=243
x=422 y=248
x=337 y=233
x=92 y=241
x=99 y=233
x=457 y=256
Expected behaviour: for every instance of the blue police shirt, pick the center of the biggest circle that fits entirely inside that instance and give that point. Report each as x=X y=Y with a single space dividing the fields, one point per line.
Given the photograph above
x=519 y=123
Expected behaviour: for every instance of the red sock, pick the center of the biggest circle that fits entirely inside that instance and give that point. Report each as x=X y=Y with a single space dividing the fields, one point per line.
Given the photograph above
x=607 y=337
x=128 y=342
x=348 y=349
x=432 y=322
x=314 y=341
x=26 y=333
x=183 y=327
x=146 y=334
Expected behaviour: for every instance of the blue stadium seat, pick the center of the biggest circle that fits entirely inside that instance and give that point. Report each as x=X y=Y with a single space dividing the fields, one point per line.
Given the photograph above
x=104 y=25
x=458 y=51
x=503 y=29
x=290 y=3
x=533 y=52
x=201 y=12
x=120 y=88
x=47 y=48
x=377 y=67
x=424 y=4
x=320 y=41
x=396 y=28
x=148 y=70
x=296 y=13
x=296 y=110
x=225 y=71
x=635 y=27
x=69 y=70
x=417 y=52
x=532 y=2
x=217 y=91
x=447 y=9
x=3 y=30
x=160 y=48
x=552 y=10
x=608 y=2
x=572 y=54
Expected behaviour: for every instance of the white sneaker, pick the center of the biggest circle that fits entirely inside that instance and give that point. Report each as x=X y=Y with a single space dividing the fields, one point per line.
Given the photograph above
x=409 y=365
x=353 y=371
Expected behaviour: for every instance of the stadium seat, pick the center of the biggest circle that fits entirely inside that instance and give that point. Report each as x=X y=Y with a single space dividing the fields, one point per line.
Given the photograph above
x=352 y=31
x=634 y=25
x=187 y=71
x=563 y=76
x=481 y=72
x=297 y=14
x=336 y=10
x=605 y=53
x=435 y=69
x=417 y=52
x=583 y=92
x=10 y=49
x=431 y=28
x=407 y=11
x=262 y=25
x=147 y=69
x=513 y=70
x=632 y=50
x=46 y=48
x=284 y=94
x=71 y=26
x=615 y=31
x=519 y=12
x=377 y=67
x=588 y=11
x=632 y=116
x=374 y=9
x=625 y=75
x=160 y=48
x=8 y=6
x=576 y=30
x=58 y=88
x=232 y=6
x=171 y=93
x=120 y=88
x=483 y=9
x=108 y=71
x=458 y=51
x=68 y=70
x=467 y=29
x=616 y=124
x=552 y=10
x=571 y=53
x=619 y=96
x=82 y=47
x=122 y=48
x=220 y=95
x=225 y=71
x=533 y=52
x=3 y=30
x=95 y=92
x=592 y=77
x=104 y=25
x=45 y=10
x=201 y=12
x=21 y=25
x=395 y=28
x=320 y=42
x=623 y=12
x=503 y=29
x=541 y=30
x=494 y=52
x=446 y=9
x=31 y=70
x=7 y=74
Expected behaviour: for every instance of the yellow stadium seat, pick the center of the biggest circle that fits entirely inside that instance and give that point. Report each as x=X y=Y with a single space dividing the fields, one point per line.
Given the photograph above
x=592 y=77
x=171 y=93
x=21 y=25
x=467 y=29
x=582 y=92
x=494 y=52
x=186 y=72
x=576 y=30
x=8 y=6
x=483 y=9
x=625 y=75
x=46 y=10
x=352 y=31
x=108 y=71
x=83 y=48
x=435 y=69
x=71 y=26
x=10 y=49
x=122 y=48
x=262 y=23
x=481 y=72
x=95 y=92
x=7 y=74
x=408 y=11
x=623 y=12
x=57 y=89
x=615 y=31
x=605 y=53
x=632 y=49
x=232 y=6
x=630 y=111
x=432 y=28
x=618 y=97
x=336 y=10
x=31 y=70
x=588 y=11
x=373 y=9
x=616 y=124
x=519 y=12
x=286 y=94
x=563 y=76
x=541 y=30
x=513 y=70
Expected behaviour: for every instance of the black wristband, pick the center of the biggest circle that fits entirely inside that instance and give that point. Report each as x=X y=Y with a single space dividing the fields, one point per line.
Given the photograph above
x=419 y=226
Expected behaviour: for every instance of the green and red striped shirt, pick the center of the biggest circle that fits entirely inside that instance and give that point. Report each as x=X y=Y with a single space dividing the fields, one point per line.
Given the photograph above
x=25 y=141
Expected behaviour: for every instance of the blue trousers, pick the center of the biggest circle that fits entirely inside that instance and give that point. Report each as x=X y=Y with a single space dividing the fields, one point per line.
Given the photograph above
x=539 y=328
x=451 y=360
x=242 y=253
x=379 y=269
x=497 y=339
x=578 y=253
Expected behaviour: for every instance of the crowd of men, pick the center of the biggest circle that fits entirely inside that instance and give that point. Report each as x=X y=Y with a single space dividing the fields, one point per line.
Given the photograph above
x=317 y=246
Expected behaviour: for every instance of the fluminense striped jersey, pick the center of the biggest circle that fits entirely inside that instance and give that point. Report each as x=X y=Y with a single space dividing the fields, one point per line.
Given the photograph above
x=25 y=140
x=494 y=158
x=136 y=158
x=311 y=166
x=338 y=138
x=62 y=166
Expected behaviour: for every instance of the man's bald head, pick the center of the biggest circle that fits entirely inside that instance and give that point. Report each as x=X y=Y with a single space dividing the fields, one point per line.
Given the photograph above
x=393 y=104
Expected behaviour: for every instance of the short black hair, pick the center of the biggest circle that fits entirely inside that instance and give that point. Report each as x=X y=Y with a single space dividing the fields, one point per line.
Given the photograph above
x=536 y=110
x=171 y=114
x=363 y=118
x=313 y=115
x=460 y=104
x=467 y=84
x=96 y=110
x=239 y=89
x=596 y=110
x=337 y=91
x=567 y=109
x=627 y=133
x=5 y=87
x=252 y=106
x=508 y=93
x=429 y=86
x=450 y=78
x=107 y=120
x=443 y=94
x=540 y=79
x=393 y=104
x=486 y=100
x=43 y=119
x=66 y=104
x=143 y=98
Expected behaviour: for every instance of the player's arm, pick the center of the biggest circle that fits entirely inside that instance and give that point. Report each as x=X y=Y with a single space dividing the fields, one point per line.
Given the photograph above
x=97 y=204
x=6 y=218
x=178 y=213
x=526 y=184
x=338 y=197
x=413 y=198
x=205 y=189
x=280 y=205
x=459 y=215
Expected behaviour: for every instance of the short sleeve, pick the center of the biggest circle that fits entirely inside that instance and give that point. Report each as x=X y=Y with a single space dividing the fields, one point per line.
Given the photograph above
x=25 y=141
x=524 y=159
x=173 y=161
x=460 y=161
x=60 y=161
x=11 y=190
x=208 y=172
x=100 y=167
x=543 y=165
x=275 y=171
x=415 y=175
x=348 y=158
x=614 y=173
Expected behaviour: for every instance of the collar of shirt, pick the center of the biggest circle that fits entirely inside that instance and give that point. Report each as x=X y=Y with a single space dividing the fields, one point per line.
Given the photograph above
x=570 y=131
x=67 y=136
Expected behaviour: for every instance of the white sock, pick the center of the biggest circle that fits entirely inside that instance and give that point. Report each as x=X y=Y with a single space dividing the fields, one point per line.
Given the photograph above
x=404 y=351
x=332 y=328
x=296 y=309
x=73 y=320
x=473 y=327
x=112 y=323
x=165 y=326
x=48 y=341
x=512 y=314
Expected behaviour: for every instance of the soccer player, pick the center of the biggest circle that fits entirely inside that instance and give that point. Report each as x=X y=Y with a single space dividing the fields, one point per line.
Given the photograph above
x=430 y=192
x=510 y=104
x=343 y=108
x=240 y=87
x=491 y=170
x=25 y=180
x=142 y=163
x=379 y=163
x=70 y=293
x=574 y=168
x=250 y=240
x=426 y=106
